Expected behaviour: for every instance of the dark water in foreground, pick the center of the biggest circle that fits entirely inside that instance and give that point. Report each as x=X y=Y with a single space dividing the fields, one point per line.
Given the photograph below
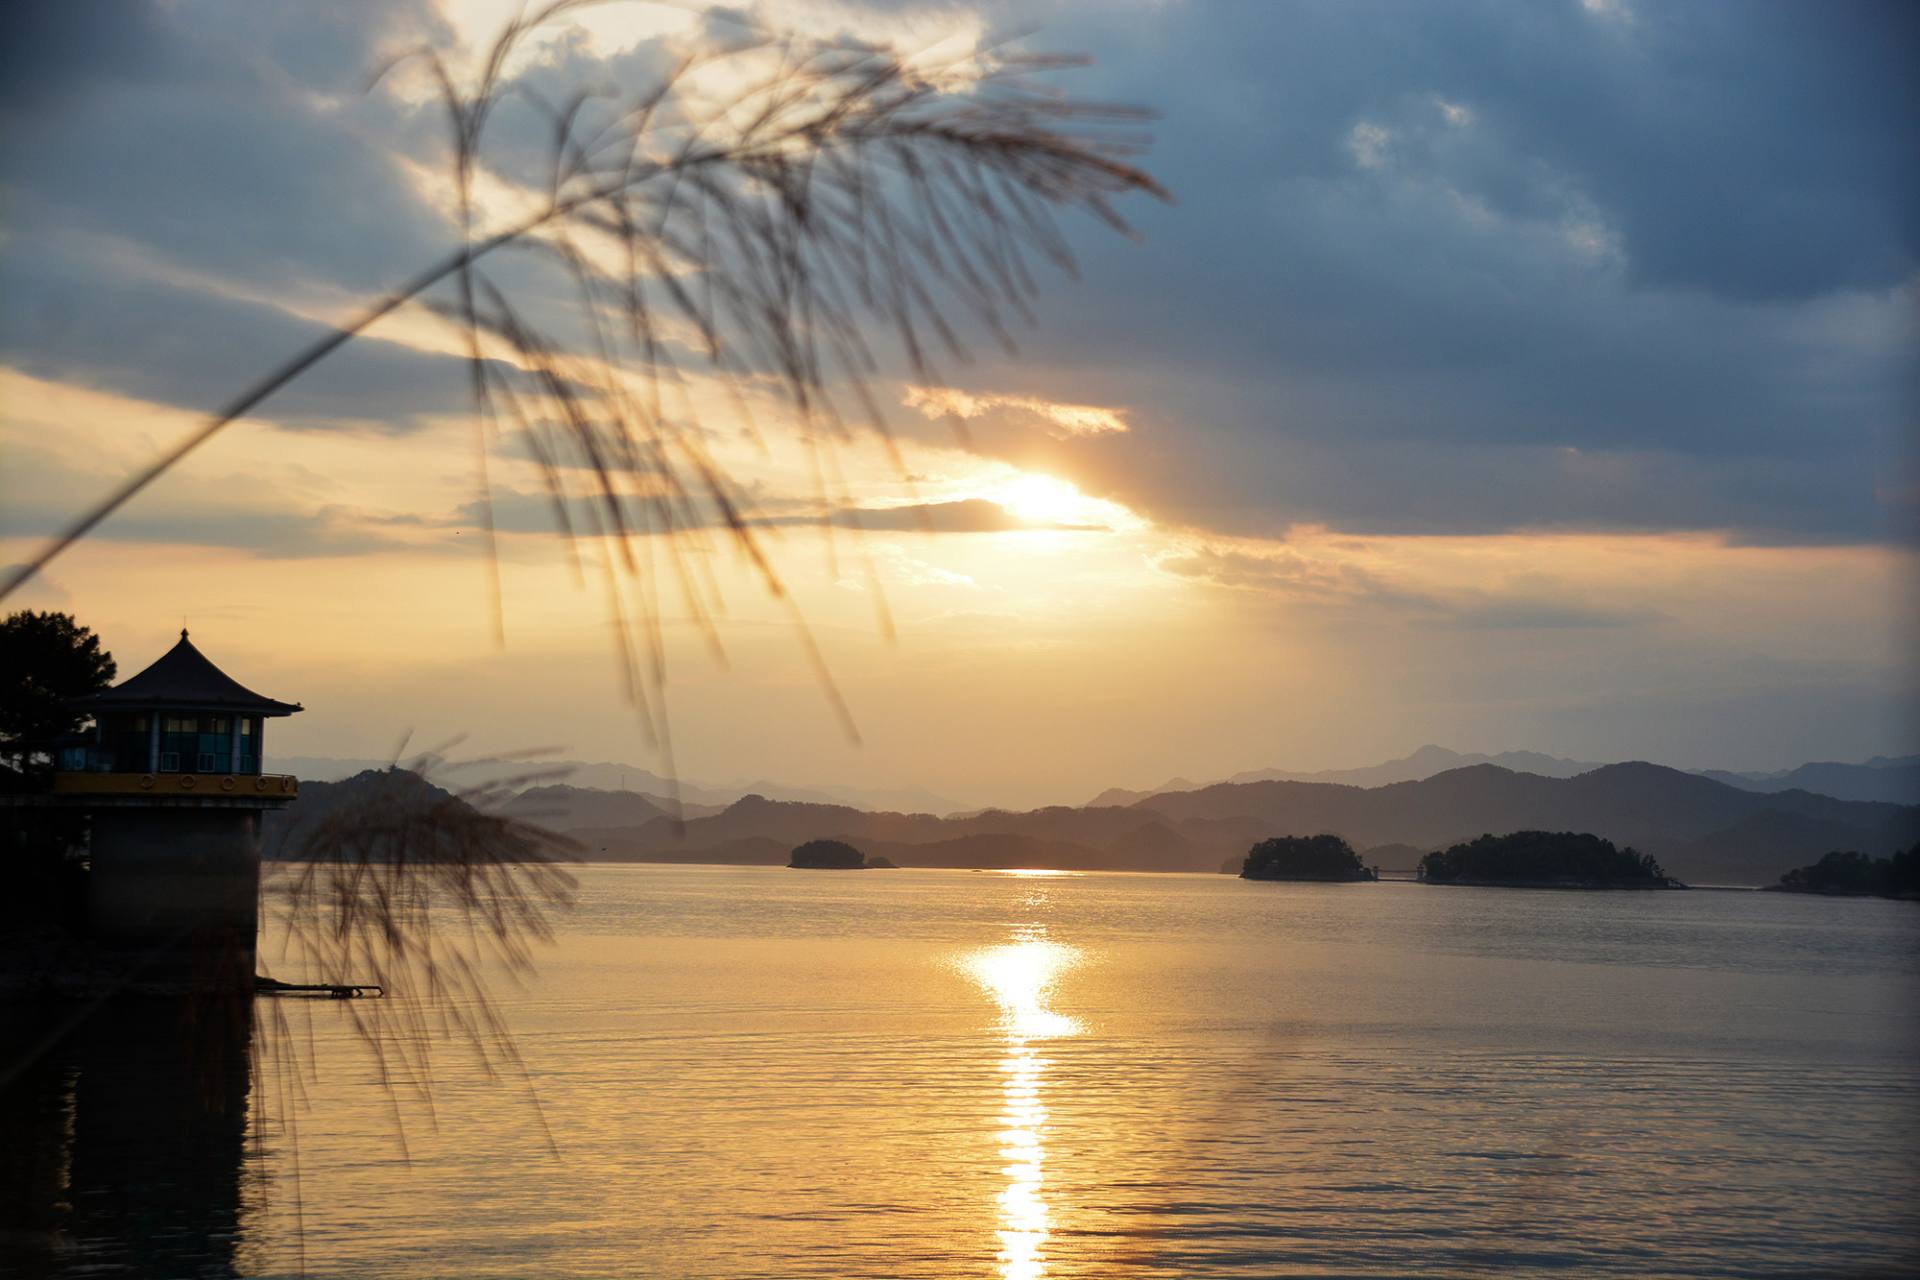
x=761 y=1072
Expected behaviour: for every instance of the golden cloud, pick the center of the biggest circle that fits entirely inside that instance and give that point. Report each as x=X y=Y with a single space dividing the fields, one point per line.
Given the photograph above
x=1061 y=420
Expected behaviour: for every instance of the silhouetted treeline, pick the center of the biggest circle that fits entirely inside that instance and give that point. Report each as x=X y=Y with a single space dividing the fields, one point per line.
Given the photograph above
x=1856 y=873
x=1323 y=857
x=827 y=855
x=1555 y=859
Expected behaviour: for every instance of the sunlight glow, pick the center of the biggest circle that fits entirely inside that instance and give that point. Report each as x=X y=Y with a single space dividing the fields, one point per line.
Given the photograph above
x=1020 y=976
x=1041 y=498
x=1048 y=501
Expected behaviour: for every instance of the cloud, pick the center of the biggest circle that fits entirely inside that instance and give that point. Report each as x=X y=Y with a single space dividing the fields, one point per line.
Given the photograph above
x=1369 y=144
x=1516 y=268
x=1290 y=575
x=1287 y=573
x=225 y=136
x=268 y=533
x=1687 y=245
x=176 y=345
x=40 y=590
x=517 y=511
x=964 y=515
x=915 y=572
x=1522 y=614
x=51 y=54
x=251 y=512
x=1061 y=420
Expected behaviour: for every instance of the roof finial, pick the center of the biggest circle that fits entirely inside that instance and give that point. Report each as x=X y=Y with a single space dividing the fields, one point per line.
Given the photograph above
x=183 y=633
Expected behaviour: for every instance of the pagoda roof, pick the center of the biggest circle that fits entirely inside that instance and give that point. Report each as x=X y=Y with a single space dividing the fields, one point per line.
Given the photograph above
x=184 y=677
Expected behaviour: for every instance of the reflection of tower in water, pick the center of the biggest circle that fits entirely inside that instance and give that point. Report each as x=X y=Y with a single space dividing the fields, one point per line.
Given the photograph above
x=1020 y=977
x=124 y=1140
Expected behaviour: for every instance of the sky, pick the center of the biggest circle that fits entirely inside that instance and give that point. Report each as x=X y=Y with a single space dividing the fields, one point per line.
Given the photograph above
x=1504 y=375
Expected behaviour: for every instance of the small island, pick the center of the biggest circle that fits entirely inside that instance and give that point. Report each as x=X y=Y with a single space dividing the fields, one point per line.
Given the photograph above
x=1324 y=859
x=1545 y=860
x=832 y=855
x=1855 y=875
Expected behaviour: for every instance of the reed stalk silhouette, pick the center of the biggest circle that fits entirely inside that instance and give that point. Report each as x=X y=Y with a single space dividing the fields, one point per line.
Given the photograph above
x=757 y=218
x=429 y=894
x=752 y=236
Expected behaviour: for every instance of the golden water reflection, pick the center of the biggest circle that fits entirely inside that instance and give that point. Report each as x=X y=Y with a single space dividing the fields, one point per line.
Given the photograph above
x=1019 y=975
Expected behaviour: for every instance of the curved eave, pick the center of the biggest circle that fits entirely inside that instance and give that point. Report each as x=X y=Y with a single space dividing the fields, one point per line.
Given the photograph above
x=183 y=679
x=264 y=707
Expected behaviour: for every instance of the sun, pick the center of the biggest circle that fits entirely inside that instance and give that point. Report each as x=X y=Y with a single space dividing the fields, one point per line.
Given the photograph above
x=1043 y=499
x=1043 y=503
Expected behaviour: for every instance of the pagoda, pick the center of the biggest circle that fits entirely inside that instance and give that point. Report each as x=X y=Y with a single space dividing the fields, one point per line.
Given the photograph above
x=170 y=777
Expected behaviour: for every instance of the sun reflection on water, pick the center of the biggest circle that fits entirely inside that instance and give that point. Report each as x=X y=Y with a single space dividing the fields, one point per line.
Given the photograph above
x=1019 y=975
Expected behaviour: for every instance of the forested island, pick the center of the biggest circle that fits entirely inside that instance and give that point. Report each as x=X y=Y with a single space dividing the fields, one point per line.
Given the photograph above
x=828 y=855
x=1545 y=860
x=1323 y=858
x=1856 y=875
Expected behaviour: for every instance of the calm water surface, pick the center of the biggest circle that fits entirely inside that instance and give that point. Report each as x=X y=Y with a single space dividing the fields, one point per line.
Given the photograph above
x=762 y=1072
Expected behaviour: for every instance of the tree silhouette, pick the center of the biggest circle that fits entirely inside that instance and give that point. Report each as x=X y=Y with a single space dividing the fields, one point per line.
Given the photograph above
x=1544 y=858
x=45 y=659
x=1853 y=873
x=827 y=855
x=1322 y=857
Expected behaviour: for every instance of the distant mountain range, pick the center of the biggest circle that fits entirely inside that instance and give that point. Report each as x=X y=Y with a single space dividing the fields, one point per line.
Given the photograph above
x=1887 y=779
x=695 y=799
x=1702 y=830
x=1894 y=779
x=1891 y=778
x=1423 y=763
x=564 y=807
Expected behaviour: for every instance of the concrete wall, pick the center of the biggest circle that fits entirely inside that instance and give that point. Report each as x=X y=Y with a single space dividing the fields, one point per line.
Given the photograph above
x=180 y=884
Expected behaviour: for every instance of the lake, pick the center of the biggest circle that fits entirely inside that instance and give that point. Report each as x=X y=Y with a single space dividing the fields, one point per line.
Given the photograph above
x=736 y=1071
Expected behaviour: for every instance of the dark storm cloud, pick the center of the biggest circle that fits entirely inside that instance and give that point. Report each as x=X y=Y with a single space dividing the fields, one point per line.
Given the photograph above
x=182 y=346
x=52 y=54
x=155 y=145
x=228 y=138
x=1746 y=149
x=1422 y=252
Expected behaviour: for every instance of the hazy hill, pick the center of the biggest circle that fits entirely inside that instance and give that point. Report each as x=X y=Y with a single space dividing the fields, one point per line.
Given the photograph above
x=1122 y=796
x=605 y=776
x=617 y=844
x=1693 y=824
x=583 y=775
x=1423 y=763
x=402 y=808
x=1702 y=830
x=995 y=852
x=564 y=807
x=1892 y=779
x=1112 y=838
